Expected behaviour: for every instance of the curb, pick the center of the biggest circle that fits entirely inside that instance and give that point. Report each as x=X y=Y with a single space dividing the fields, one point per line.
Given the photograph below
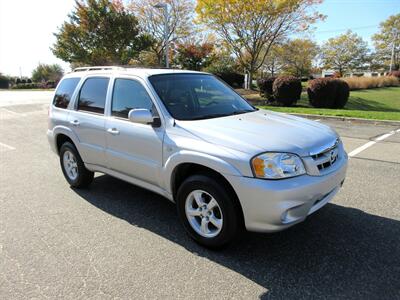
x=349 y=119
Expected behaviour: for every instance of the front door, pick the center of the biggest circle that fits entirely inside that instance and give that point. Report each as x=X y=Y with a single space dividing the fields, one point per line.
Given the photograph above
x=133 y=149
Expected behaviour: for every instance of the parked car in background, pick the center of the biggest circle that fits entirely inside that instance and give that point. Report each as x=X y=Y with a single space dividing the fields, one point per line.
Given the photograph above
x=190 y=138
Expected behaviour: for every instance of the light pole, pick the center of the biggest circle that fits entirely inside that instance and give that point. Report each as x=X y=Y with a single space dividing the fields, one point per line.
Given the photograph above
x=164 y=6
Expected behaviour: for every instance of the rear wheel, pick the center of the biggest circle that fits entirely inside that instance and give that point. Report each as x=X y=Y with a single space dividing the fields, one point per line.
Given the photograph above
x=207 y=211
x=73 y=167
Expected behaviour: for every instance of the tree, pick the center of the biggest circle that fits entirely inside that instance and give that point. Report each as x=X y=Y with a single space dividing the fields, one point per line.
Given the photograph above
x=298 y=55
x=222 y=62
x=251 y=27
x=274 y=62
x=194 y=56
x=388 y=36
x=100 y=32
x=145 y=59
x=344 y=53
x=152 y=20
x=43 y=73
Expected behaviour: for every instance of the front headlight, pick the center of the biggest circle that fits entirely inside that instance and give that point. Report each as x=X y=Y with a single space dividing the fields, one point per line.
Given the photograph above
x=273 y=165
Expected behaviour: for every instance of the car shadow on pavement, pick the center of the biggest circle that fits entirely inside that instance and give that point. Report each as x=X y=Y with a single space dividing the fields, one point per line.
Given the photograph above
x=338 y=252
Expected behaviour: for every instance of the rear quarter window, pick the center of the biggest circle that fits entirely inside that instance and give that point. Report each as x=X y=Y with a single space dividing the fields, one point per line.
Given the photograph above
x=64 y=92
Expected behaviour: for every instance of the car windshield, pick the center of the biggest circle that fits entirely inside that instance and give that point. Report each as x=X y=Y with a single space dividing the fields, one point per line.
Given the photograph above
x=198 y=96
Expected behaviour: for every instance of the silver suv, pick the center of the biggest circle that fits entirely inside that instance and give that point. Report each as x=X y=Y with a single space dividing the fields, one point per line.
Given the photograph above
x=190 y=138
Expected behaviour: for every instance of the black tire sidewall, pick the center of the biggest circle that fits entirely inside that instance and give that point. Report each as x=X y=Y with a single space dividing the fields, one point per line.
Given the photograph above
x=222 y=196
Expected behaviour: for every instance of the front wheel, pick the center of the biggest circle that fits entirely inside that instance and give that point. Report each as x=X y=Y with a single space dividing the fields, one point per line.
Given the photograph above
x=207 y=211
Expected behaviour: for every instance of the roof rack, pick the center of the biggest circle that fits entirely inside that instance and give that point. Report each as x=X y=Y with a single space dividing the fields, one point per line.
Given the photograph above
x=97 y=68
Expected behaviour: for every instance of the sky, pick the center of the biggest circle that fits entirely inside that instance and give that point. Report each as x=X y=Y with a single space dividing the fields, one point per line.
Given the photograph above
x=27 y=27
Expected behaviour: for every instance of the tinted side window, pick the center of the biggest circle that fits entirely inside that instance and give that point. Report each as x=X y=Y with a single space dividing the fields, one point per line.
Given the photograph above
x=92 y=96
x=129 y=94
x=64 y=92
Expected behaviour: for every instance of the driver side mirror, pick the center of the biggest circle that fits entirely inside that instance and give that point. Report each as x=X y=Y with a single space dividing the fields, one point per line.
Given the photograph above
x=143 y=116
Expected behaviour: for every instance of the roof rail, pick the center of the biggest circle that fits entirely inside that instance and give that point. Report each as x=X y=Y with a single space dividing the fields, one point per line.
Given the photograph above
x=97 y=68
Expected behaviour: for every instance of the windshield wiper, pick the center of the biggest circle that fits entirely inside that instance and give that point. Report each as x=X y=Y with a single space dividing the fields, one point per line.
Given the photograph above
x=210 y=116
x=243 y=111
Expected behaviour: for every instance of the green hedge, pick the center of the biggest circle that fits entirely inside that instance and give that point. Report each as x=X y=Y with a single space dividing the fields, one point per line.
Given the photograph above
x=24 y=86
x=4 y=82
x=235 y=80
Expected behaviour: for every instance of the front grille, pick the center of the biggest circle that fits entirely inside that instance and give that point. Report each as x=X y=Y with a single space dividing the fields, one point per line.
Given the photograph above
x=327 y=158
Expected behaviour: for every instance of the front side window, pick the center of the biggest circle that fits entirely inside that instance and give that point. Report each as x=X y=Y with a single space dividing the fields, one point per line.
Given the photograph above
x=129 y=94
x=92 y=96
x=198 y=96
x=64 y=92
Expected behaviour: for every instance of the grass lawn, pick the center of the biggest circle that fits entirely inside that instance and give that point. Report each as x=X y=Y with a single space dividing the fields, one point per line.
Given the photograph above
x=378 y=104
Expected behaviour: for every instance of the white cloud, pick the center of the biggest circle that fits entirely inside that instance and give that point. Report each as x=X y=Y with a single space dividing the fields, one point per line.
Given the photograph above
x=26 y=33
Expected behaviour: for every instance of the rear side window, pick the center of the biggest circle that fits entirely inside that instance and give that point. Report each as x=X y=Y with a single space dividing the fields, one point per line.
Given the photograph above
x=129 y=94
x=64 y=92
x=92 y=96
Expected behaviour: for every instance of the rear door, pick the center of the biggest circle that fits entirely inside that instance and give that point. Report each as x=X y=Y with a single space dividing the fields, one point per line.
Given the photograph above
x=88 y=120
x=133 y=149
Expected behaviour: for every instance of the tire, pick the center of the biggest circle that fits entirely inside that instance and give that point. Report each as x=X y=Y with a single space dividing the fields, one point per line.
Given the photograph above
x=77 y=175
x=192 y=216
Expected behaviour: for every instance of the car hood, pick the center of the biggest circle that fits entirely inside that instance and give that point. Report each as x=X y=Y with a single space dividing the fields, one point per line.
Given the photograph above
x=262 y=131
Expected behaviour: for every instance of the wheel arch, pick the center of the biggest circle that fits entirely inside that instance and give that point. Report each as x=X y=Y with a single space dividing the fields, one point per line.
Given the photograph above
x=186 y=169
x=61 y=135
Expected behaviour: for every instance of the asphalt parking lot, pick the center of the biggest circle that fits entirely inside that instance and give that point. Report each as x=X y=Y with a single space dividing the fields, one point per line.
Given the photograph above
x=115 y=240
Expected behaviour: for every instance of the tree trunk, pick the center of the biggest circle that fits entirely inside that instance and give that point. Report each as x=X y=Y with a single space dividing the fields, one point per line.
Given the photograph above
x=340 y=72
x=159 y=58
x=250 y=79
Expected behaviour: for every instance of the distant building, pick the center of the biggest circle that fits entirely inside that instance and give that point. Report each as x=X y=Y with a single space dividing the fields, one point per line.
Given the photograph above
x=365 y=74
x=331 y=73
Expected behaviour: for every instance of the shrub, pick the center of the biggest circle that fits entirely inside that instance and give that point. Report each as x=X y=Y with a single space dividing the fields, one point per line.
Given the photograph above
x=4 y=82
x=51 y=84
x=357 y=83
x=328 y=93
x=395 y=74
x=265 y=86
x=286 y=90
x=23 y=86
x=235 y=80
x=342 y=94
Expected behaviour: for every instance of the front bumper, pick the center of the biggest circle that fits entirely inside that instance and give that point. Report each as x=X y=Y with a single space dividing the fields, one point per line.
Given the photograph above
x=274 y=205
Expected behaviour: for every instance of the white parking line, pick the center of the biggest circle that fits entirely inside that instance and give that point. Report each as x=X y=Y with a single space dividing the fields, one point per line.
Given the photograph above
x=371 y=143
x=317 y=120
x=7 y=146
x=12 y=112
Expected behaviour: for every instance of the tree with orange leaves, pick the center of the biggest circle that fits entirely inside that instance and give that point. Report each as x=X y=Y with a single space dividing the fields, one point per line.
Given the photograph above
x=252 y=27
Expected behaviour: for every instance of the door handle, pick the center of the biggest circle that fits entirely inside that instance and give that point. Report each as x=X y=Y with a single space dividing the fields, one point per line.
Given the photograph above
x=74 y=122
x=113 y=131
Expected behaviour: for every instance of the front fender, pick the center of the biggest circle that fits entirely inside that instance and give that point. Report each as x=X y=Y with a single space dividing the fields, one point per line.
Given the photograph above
x=206 y=160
